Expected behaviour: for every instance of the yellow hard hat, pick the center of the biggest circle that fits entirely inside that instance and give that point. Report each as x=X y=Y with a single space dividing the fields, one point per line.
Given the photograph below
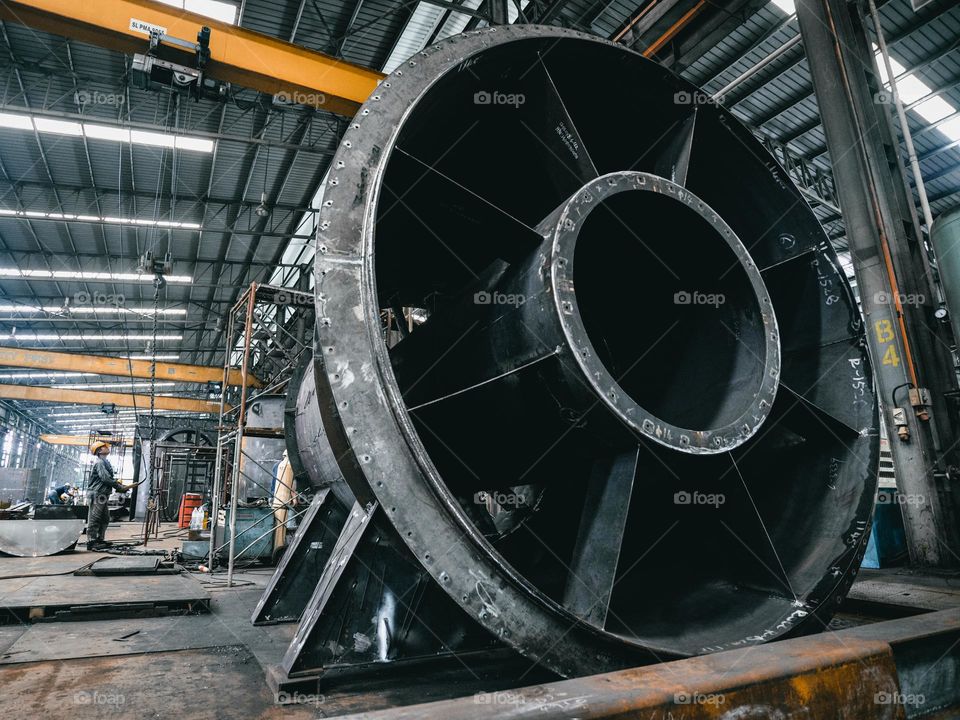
x=97 y=445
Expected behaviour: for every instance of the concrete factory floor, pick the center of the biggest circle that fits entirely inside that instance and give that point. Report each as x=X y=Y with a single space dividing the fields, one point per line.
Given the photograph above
x=196 y=666
x=212 y=665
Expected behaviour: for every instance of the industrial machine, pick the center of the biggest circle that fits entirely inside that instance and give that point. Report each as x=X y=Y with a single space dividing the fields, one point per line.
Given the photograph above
x=638 y=423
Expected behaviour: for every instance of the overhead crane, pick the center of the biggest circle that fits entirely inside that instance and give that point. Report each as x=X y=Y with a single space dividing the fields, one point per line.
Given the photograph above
x=120 y=367
x=93 y=397
x=77 y=440
x=231 y=54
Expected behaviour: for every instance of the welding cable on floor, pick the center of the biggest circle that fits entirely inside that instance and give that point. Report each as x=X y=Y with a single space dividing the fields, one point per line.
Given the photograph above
x=164 y=535
x=246 y=566
x=130 y=548
x=65 y=572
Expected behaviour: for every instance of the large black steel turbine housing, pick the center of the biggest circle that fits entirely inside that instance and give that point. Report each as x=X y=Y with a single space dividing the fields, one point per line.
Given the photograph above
x=638 y=422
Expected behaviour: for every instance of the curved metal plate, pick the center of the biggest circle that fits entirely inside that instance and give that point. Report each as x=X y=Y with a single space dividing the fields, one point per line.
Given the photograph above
x=37 y=538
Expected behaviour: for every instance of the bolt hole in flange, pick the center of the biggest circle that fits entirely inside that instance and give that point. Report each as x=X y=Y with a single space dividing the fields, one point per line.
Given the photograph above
x=641 y=408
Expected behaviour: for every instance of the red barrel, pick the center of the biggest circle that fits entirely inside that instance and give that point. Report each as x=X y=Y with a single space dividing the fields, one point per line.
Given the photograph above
x=188 y=503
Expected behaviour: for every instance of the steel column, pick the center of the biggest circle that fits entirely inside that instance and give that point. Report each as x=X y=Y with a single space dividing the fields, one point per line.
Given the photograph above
x=887 y=268
x=238 y=446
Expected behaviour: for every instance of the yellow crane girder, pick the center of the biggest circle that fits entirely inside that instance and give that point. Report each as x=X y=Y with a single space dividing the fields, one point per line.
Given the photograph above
x=78 y=440
x=239 y=56
x=121 y=367
x=92 y=397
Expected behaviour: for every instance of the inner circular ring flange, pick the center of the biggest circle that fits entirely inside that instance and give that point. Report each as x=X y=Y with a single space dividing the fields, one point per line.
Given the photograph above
x=675 y=331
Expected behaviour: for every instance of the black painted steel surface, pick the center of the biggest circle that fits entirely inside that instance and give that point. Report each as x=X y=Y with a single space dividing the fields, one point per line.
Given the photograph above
x=638 y=422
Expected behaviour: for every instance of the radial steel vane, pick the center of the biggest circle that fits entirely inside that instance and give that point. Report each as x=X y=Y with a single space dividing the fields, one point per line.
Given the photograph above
x=638 y=421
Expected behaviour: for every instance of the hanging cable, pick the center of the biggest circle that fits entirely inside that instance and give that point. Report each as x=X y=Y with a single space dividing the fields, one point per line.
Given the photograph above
x=153 y=500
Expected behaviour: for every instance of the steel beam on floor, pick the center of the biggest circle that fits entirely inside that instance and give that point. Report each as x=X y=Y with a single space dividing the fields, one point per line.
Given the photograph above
x=887 y=670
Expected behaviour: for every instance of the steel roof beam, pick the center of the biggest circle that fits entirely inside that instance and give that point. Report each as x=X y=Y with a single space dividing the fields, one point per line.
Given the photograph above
x=650 y=16
x=922 y=130
x=153 y=127
x=896 y=39
x=341 y=44
x=807 y=89
x=224 y=246
x=227 y=230
x=712 y=31
x=551 y=12
x=278 y=192
x=33 y=234
x=101 y=191
x=200 y=262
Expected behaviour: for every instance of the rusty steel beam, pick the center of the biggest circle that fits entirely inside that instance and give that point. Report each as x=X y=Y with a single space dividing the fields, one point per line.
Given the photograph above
x=238 y=56
x=120 y=367
x=89 y=397
x=883 y=670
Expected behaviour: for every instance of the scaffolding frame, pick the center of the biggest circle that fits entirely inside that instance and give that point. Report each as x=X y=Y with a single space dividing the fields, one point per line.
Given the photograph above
x=269 y=329
x=193 y=464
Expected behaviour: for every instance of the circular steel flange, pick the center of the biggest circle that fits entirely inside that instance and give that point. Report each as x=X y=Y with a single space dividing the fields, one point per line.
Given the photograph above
x=384 y=459
x=758 y=397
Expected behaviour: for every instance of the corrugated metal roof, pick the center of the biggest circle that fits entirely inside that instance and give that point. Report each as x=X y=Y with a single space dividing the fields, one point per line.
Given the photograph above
x=281 y=154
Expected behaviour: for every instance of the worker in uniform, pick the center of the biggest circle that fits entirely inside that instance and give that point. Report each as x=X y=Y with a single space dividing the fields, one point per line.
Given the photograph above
x=60 y=495
x=102 y=483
